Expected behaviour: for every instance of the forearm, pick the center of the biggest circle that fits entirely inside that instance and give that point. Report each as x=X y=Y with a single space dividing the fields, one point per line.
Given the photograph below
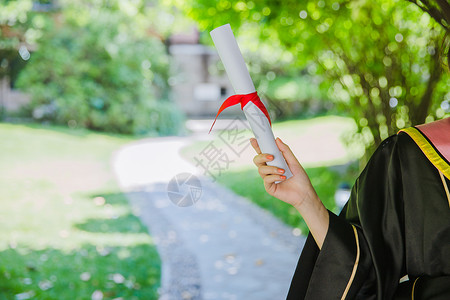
x=296 y=190
x=316 y=217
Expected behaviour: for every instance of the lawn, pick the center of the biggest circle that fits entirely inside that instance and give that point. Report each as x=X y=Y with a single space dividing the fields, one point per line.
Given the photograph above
x=67 y=232
x=324 y=179
x=319 y=144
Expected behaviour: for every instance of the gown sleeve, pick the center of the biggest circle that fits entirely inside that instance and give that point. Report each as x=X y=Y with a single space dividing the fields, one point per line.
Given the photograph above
x=362 y=255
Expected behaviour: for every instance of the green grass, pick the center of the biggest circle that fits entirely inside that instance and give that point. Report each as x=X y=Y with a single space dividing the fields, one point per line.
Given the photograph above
x=67 y=232
x=324 y=180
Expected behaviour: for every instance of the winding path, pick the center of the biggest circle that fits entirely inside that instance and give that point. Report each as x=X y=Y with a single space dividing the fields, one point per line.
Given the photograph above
x=222 y=247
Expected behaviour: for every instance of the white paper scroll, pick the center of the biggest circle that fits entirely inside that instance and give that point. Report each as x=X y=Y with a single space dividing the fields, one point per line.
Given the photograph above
x=242 y=83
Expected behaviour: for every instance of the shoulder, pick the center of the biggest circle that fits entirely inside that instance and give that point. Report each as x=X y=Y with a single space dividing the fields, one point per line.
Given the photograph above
x=389 y=146
x=405 y=142
x=397 y=149
x=392 y=152
x=432 y=141
x=398 y=142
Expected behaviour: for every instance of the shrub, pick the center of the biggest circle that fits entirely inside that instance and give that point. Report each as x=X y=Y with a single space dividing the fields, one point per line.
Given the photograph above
x=101 y=72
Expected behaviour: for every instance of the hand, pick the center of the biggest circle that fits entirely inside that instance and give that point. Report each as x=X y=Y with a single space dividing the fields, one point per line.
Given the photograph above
x=295 y=190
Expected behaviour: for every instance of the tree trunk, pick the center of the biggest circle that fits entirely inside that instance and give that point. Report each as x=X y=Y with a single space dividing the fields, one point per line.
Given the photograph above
x=421 y=112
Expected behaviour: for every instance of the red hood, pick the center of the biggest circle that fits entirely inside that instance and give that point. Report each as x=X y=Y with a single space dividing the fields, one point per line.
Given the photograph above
x=438 y=133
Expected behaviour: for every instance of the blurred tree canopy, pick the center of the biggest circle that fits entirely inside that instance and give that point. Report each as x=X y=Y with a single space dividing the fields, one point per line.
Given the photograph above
x=15 y=35
x=438 y=9
x=379 y=59
x=96 y=64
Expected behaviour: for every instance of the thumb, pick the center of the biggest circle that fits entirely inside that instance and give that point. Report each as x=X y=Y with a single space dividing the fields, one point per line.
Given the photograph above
x=290 y=158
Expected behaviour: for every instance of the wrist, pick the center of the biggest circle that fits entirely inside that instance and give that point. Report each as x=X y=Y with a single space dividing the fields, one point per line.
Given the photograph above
x=308 y=202
x=316 y=217
x=312 y=210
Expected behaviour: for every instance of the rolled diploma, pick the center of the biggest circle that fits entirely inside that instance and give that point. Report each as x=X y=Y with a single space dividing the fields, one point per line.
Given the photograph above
x=242 y=83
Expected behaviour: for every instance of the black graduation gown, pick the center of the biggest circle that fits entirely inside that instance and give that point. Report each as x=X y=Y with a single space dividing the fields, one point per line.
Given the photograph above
x=396 y=223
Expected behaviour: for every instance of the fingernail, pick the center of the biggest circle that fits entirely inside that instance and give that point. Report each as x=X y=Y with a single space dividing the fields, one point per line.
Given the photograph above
x=269 y=157
x=283 y=177
x=281 y=171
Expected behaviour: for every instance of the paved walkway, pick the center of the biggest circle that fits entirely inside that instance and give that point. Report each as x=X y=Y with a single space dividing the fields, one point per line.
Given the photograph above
x=222 y=247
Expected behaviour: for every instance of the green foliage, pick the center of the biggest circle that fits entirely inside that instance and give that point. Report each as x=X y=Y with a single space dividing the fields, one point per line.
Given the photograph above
x=378 y=60
x=19 y=28
x=14 y=20
x=67 y=233
x=292 y=97
x=97 y=67
x=437 y=9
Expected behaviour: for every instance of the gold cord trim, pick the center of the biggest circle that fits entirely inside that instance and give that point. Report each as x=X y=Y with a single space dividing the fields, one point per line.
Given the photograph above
x=428 y=150
x=444 y=183
x=355 y=266
x=414 y=286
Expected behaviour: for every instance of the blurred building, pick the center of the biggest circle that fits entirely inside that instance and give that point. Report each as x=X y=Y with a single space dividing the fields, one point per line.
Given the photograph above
x=10 y=99
x=11 y=62
x=198 y=81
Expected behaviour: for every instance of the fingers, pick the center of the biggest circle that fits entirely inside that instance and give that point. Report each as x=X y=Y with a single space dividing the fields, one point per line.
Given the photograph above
x=255 y=145
x=271 y=179
x=287 y=153
x=270 y=170
x=271 y=174
x=261 y=159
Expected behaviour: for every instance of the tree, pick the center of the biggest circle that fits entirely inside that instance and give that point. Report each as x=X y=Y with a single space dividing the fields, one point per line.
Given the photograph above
x=19 y=28
x=438 y=10
x=97 y=66
x=380 y=58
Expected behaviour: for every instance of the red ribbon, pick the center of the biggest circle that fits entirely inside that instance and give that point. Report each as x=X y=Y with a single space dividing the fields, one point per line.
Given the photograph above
x=243 y=100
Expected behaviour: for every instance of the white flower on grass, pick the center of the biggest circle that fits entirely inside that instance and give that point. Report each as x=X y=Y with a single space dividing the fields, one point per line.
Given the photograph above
x=97 y=295
x=45 y=285
x=117 y=278
x=85 y=276
x=25 y=295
